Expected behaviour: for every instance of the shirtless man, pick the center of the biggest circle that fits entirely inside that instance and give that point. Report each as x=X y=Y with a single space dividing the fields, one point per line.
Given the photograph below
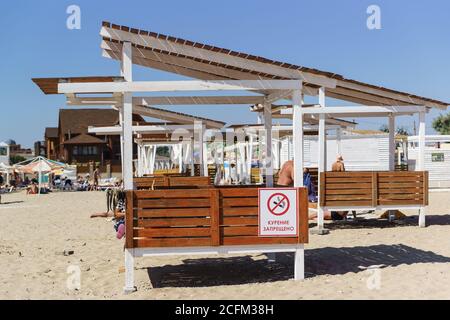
x=286 y=175
x=286 y=178
x=338 y=166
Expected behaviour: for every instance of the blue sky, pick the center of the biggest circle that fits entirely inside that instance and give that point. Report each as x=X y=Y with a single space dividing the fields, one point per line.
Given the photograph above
x=410 y=53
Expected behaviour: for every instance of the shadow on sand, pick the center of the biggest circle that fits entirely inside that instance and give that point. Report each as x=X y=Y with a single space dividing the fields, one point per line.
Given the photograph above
x=323 y=261
x=431 y=220
x=10 y=202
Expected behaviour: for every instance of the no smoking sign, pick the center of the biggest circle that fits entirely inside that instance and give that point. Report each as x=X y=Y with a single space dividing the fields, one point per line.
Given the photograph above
x=278 y=212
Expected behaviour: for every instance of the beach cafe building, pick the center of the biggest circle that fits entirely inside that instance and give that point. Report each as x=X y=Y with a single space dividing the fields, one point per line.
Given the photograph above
x=261 y=82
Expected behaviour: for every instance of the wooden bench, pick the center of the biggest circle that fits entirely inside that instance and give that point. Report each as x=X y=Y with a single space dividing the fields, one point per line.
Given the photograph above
x=203 y=221
x=373 y=189
x=146 y=183
x=388 y=190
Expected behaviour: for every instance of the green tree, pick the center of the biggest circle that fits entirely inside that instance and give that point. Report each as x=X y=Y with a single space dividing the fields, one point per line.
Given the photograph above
x=400 y=130
x=16 y=159
x=442 y=124
x=163 y=151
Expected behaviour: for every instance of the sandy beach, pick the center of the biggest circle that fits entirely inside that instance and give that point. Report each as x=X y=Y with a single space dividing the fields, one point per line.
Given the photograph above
x=36 y=230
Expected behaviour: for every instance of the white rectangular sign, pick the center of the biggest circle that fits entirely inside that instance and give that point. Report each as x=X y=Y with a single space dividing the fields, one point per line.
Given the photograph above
x=278 y=212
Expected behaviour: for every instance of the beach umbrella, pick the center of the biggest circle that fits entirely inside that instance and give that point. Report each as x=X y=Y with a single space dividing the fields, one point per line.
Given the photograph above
x=39 y=165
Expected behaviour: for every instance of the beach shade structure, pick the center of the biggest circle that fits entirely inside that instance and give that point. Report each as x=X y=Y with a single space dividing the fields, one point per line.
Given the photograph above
x=5 y=169
x=262 y=83
x=39 y=165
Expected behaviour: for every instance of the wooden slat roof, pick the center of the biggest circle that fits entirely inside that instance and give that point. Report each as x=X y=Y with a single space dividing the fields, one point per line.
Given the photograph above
x=185 y=57
x=50 y=85
x=173 y=116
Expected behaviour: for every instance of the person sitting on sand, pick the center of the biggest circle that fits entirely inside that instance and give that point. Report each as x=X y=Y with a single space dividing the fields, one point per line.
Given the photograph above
x=117 y=197
x=119 y=215
x=32 y=188
x=1 y=185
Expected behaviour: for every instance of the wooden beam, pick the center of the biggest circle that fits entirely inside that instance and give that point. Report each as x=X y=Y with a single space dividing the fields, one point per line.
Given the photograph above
x=173 y=86
x=198 y=100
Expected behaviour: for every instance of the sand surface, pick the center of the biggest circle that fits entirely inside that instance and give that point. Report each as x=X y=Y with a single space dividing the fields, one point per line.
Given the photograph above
x=35 y=231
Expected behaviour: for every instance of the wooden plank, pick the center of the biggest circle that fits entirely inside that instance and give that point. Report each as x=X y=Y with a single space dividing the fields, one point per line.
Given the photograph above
x=174 y=222
x=349 y=197
x=399 y=185
x=350 y=191
x=425 y=189
x=174 y=242
x=173 y=203
x=330 y=186
x=401 y=191
x=303 y=216
x=173 y=212
x=191 y=181
x=348 y=180
x=227 y=231
x=374 y=189
x=322 y=194
x=400 y=179
x=239 y=192
x=349 y=174
x=172 y=232
x=239 y=211
x=400 y=173
x=169 y=193
x=250 y=240
x=347 y=203
x=406 y=196
x=129 y=220
x=239 y=202
x=241 y=221
x=215 y=217
x=401 y=202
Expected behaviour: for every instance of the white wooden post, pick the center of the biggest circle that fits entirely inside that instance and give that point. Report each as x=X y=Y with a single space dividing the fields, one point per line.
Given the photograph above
x=299 y=265
x=127 y=159
x=260 y=118
x=127 y=118
x=339 y=141
x=180 y=159
x=139 y=160
x=391 y=142
x=249 y=159
x=322 y=158
x=421 y=160
x=129 y=271
x=297 y=101
x=121 y=137
x=153 y=159
x=268 y=144
x=192 y=158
